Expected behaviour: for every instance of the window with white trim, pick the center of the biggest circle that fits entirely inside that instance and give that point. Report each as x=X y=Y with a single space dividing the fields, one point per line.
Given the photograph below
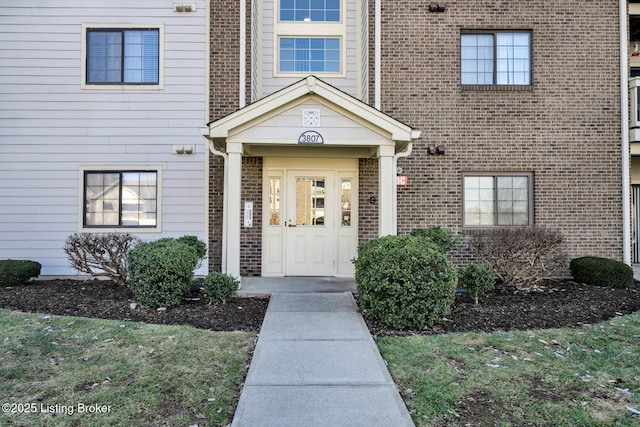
x=122 y=56
x=120 y=199
x=498 y=200
x=310 y=10
x=495 y=58
x=309 y=55
x=310 y=37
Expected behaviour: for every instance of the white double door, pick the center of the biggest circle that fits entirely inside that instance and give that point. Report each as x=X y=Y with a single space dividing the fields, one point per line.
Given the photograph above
x=310 y=228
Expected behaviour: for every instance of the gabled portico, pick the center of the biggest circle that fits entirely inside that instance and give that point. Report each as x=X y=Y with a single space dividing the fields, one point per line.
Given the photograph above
x=309 y=123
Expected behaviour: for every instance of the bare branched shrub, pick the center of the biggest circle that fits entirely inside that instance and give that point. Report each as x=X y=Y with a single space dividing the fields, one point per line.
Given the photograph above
x=100 y=254
x=521 y=257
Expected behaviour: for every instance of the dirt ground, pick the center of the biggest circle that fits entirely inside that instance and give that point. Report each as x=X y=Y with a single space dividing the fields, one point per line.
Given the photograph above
x=102 y=299
x=560 y=304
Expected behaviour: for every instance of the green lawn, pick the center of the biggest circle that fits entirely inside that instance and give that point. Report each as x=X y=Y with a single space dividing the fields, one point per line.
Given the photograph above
x=61 y=371
x=102 y=372
x=587 y=376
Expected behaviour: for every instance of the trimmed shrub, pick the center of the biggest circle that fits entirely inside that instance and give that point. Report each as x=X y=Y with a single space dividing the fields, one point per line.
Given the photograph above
x=194 y=242
x=477 y=280
x=100 y=254
x=521 y=257
x=219 y=287
x=161 y=272
x=405 y=282
x=444 y=239
x=601 y=272
x=15 y=272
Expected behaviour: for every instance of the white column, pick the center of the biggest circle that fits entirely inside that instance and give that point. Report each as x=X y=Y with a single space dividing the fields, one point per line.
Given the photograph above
x=386 y=191
x=232 y=210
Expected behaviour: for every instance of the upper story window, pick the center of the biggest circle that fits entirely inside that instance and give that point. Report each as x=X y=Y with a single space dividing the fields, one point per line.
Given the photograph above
x=498 y=200
x=119 y=199
x=122 y=56
x=130 y=56
x=310 y=10
x=311 y=55
x=495 y=58
x=310 y=38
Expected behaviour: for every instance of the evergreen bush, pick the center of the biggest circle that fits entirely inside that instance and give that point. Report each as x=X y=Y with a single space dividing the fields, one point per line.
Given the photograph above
x=194 y=242
x=219 y=287
x=601 y=272
x=476 y=280
x=15 y=272
x=161 y=272
x=444 y=239
x=405 y=282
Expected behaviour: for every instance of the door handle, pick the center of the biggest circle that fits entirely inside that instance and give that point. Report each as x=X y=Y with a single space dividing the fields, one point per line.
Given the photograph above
x=289 y=223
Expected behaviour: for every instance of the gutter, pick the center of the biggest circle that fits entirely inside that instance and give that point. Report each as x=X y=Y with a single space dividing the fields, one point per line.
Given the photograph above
x=225 y=157
x=626 y=156
x=405 y=153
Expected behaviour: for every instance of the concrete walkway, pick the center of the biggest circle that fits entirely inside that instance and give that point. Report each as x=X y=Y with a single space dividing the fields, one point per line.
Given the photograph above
x=265 y=286
x=315 y=364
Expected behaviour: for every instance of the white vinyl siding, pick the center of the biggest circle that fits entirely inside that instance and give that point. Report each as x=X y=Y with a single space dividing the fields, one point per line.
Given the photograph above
x=363 y=53
x=51 y=128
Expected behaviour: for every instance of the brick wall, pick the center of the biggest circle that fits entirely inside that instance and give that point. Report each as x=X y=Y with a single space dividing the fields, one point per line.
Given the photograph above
x=251 y=238
x=564 y=128
x=223 y=100
x=216 y=193
x=367 y=211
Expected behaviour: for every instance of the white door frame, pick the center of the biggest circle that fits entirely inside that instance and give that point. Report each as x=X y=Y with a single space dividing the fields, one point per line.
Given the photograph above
x=276 y=173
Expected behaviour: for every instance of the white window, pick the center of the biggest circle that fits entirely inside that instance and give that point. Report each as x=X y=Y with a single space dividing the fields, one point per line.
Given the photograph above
x=310 y=37
x=497 y=58
x=498 y=200
x=310 y=10
x=120 y=199
x=122 y=57
x=309 y=55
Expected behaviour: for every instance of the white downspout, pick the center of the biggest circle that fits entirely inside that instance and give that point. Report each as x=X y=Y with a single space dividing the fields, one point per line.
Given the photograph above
x=243 y=53
x=626 y=160
x=212 y=148
x=404 y=153
x=377 y=55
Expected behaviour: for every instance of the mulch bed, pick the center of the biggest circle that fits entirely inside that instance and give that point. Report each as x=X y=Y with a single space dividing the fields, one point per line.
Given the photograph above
x=560 y=304
x=102 y=299
x=556 y=305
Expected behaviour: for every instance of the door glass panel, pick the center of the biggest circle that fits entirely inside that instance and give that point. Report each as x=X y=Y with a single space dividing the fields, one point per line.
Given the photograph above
x=345 y=203
x=310 y=193
x=274 y=201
